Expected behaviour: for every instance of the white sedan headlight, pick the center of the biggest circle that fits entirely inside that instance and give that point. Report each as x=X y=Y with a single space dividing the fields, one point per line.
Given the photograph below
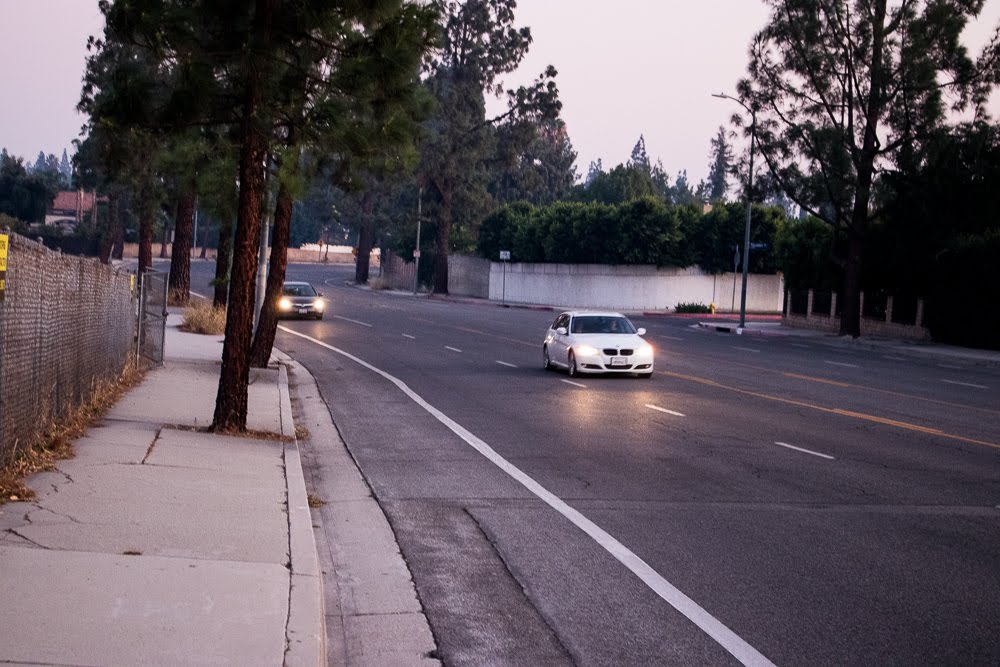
x=587 y=351
x=284 y=303
x=318 y=305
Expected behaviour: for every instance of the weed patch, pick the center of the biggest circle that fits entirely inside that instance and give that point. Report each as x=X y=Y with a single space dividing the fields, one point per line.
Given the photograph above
x=55 y=443
x=203 y=318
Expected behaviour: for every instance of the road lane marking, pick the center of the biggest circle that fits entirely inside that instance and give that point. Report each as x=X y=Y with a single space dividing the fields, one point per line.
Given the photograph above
x=673 y=596
x=798 y=376
x=805 y=347
x=669 y=412
x=835 y=411
x=672 y=337
x=745 y=349
x=453 y=349
x=575 y=384
x=958 y=368
x=347 y=319
x=965 y=384
x=504 y=363
x=894 y=358
x=804 y=451
x=840 y=363
x=409 y=336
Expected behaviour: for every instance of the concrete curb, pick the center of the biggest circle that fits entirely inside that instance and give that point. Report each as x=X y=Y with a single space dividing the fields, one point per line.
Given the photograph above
x=305 y=630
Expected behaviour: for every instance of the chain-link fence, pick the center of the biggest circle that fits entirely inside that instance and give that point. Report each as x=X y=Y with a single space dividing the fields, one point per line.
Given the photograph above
x=152 y=315
x=66 y=324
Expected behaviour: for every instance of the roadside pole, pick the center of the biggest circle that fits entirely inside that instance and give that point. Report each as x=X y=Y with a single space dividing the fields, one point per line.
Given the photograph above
x=504 y=257
x=416 y=249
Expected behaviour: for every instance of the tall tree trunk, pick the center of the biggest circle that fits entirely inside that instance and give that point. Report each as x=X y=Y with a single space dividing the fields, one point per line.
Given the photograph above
x=165 y=241
x=223 y=264
x=443 y=239
x=850 y=319
x=363 y=264
x=146 y=210
x=108 y=239
x=267 y=324
x=180 y=253
x=234 y=377
x=204 y=241
x=118 y=230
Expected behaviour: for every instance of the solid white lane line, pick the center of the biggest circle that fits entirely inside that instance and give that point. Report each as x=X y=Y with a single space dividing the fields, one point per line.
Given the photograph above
x=347 y=319
x=504 y=363
x=575 y=384
x=710 y=625
x=805 y=347
x=669 y=412
x=966 y=384
x=745 y=349
x=409 y=336
x=200 y=296
x=453 y=349
x=894 y=358
x=804 y=451
x=840 y=363
x=949 y=366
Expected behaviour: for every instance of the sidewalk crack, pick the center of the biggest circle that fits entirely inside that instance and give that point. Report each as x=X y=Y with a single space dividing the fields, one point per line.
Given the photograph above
x=151 y=445
x=14 y=532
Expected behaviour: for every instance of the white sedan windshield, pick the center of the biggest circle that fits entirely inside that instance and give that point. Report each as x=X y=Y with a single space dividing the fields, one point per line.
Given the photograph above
x=601 y=324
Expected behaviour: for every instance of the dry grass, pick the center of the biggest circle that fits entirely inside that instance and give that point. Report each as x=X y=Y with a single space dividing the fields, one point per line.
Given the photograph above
x=200 y=317
x=378 y=284
x=314 y=501
x=56 y=441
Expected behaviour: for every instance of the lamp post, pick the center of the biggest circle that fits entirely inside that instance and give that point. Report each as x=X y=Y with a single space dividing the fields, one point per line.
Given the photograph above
x=746 y=232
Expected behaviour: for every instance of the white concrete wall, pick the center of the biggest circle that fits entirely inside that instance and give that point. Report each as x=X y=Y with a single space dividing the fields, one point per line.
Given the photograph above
x=469 y=276
x=629 y=287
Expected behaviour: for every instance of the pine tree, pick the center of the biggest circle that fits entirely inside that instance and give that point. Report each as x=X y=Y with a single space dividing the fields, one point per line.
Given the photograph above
x=595 y=169
x=66 y=169
x=721 y=156
x=640 y=159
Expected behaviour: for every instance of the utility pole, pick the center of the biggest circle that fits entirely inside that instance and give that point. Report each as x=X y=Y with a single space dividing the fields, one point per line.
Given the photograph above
x=416 y=252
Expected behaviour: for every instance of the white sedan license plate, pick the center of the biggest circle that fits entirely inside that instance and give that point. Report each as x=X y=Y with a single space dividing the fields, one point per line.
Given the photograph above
x=619 y=361
x=303 y=310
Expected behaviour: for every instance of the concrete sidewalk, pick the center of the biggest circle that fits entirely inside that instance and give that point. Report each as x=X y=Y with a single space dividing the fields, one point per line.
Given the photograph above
x=160 y=544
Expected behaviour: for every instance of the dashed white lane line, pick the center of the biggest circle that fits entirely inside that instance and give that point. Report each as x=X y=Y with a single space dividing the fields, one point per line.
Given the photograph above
x=949 y=366
x=804 y=347
x=673 y=596
x=965 y=384
x=575 y=384
x=804 y=451
x=840 y=363
x=453 y=349
x=672 y=337
x=669 y=412
x=894 y=358
x=409 y=336
x=347 y=319
x=745 y=349
x=504 y=363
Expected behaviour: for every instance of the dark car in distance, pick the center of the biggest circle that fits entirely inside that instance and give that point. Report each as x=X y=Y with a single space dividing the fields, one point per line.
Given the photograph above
x=299 y=299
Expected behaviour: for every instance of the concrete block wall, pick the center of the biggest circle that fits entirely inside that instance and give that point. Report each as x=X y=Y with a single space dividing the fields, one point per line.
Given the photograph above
x=629 y=287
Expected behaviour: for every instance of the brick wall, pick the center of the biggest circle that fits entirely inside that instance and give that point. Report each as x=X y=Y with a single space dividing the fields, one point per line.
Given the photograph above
x=66 y=323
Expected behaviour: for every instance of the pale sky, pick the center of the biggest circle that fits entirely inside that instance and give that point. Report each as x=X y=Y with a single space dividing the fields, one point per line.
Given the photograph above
x=626 y=67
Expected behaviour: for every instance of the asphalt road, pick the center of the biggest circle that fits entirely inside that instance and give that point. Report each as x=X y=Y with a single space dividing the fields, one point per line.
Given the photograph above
x=783 y=499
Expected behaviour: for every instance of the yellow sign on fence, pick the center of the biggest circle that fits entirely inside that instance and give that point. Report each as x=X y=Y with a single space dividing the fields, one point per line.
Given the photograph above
x=3 y=251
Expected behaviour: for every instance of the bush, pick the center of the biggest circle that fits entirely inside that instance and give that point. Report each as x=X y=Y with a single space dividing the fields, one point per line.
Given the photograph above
x=203 y=318
x=692 y=308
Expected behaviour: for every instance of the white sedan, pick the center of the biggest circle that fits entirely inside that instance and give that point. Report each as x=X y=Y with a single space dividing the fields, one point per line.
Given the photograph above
x=596 y=342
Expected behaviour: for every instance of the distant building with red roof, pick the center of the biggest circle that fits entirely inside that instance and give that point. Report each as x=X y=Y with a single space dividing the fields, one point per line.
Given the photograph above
x=71 y=207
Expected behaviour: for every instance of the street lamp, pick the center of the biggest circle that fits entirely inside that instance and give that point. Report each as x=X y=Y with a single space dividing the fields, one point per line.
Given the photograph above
x=746 y=233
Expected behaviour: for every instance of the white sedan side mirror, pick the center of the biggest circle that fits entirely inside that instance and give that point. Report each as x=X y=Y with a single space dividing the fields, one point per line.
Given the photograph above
x=561 y=331
x=641 y=331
